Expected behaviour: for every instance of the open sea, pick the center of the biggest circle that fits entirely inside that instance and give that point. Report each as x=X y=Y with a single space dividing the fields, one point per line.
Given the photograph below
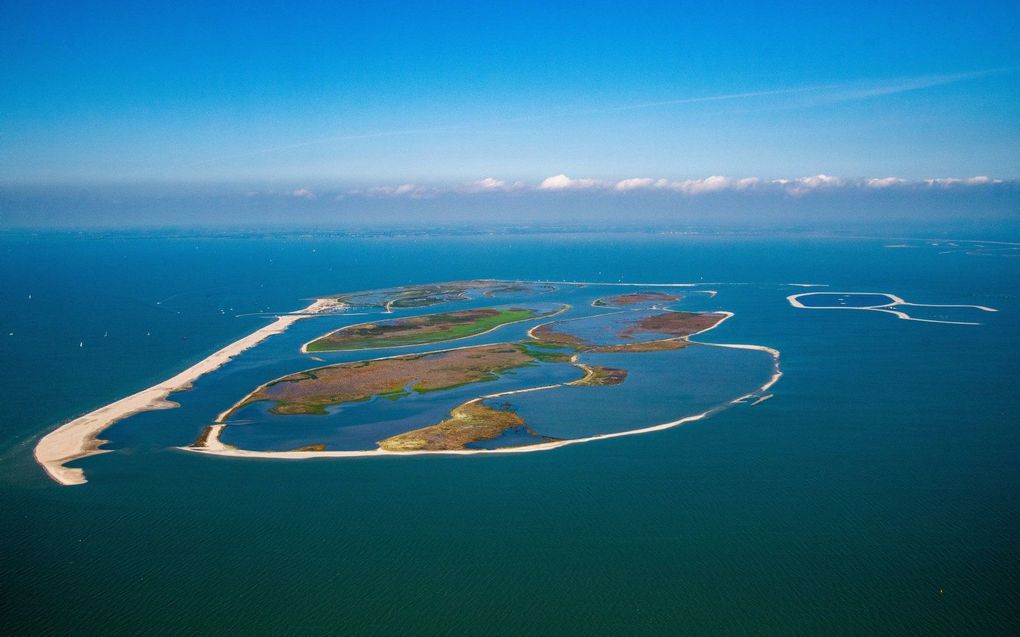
x=877 y=492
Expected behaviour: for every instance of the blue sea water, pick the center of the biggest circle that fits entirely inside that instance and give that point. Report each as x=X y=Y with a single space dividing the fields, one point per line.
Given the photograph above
x=876 y=492
x=856 y=299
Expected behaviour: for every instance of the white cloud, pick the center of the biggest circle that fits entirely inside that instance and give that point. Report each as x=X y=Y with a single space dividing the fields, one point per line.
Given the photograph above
x=820 y=181
x=303 y=193
x=491 y=184
x=562 y=182
x=413 y=191
x=885 y=182
x=393 y=191
x=708 y=184
x=804 y=185
x=692 y=187
x=980 y=180
x=634 y=183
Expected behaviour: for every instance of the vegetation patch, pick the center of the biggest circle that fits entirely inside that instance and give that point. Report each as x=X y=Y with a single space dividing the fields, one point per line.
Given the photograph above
x=600 y=375
x=636 y=298
x=470 y=422
x=314 y=391
x=316 y=447
x=420 y=330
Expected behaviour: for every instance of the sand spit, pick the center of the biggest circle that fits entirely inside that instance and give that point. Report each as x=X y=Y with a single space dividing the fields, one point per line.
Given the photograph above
x=213 y=445
x=78 y=438
x=794 y=300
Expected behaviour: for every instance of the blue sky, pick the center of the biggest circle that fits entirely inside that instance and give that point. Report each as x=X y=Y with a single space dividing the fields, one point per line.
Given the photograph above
x=381 y=93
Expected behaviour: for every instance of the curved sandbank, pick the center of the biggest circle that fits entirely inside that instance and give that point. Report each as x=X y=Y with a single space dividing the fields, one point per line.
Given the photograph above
x=794 y=300
x=78 y=438
x=214 y=446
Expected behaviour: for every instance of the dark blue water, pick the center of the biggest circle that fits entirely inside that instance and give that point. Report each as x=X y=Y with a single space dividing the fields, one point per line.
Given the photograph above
x=875 y=493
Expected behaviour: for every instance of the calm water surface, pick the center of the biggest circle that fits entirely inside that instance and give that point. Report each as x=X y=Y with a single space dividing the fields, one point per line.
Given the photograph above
x=876 y=492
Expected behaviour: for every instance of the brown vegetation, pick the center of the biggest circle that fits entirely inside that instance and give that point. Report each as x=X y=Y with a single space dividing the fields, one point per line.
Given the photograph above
x=673 y=323
x=467 y=423
x=600 y=375
x=638 y=297
x=312 y=391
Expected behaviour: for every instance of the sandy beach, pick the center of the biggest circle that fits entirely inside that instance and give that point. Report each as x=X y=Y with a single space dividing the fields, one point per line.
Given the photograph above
x=79 y=437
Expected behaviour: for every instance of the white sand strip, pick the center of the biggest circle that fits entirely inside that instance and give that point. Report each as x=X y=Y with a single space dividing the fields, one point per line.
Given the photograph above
x=213 y=445
x=794 y=300
x=78 y=438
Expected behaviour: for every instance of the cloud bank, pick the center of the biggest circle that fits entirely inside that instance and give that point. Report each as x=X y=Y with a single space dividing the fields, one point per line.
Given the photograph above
x=794 y=187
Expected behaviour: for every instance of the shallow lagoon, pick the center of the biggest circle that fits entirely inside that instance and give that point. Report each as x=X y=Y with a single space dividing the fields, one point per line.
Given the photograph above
x=359 y=426
x=660 y=387
x=830 y=299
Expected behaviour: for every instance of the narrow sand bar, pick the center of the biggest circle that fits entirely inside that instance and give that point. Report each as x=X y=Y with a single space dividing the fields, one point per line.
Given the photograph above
x=894 y=301
x=78 y=438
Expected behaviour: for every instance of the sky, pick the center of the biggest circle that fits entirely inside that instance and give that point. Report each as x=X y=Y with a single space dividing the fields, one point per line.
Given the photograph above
x=363 y=99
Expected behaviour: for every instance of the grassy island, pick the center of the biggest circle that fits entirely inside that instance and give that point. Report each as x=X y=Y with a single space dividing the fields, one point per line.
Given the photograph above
x=313 y=391
x=673 y=326
x=636 y=298
x=420 y=330
x=470 y=422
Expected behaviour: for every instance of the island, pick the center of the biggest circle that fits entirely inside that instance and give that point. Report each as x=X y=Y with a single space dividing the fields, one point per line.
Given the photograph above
x=635 y=298
x=473 y=390
x=428 y=328
x=322 y=390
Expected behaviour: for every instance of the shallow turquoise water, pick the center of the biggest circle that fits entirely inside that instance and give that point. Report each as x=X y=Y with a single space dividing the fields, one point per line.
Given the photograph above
x=876 y=492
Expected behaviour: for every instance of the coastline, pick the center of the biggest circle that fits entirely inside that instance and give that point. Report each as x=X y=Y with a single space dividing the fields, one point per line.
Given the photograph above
x=213 y=446
x=78 y=438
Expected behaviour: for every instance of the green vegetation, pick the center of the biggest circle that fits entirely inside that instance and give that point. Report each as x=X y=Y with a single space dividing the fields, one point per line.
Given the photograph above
x=635 y=298
x=599 y=375
x=316 y=447
x=545 y=352
x=468 y=423
x=420 y=330
x=314 y=391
